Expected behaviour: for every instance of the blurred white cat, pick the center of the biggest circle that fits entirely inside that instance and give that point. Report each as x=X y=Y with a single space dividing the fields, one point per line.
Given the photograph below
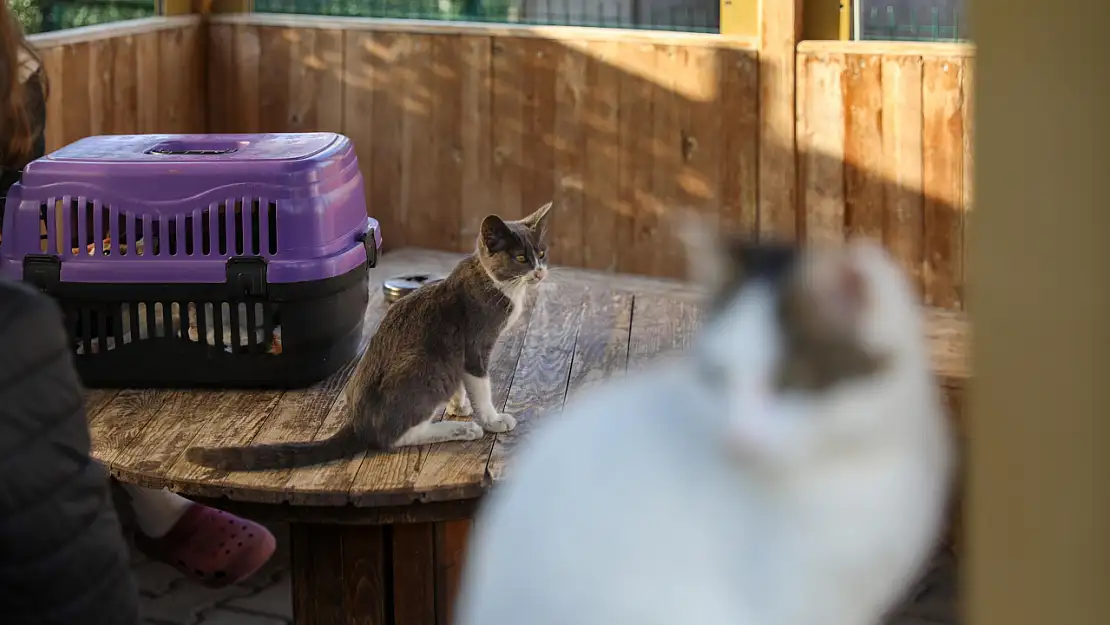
x=793 y=469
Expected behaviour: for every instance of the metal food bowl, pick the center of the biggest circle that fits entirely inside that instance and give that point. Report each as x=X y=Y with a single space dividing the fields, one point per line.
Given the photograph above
x=397 y=287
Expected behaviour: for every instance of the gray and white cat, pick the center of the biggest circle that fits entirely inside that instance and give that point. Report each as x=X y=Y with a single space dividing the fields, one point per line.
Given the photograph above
x=433 y=348
x=791 y=469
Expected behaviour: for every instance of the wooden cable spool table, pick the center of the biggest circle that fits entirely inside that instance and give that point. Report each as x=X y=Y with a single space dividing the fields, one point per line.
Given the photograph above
x=379 y=538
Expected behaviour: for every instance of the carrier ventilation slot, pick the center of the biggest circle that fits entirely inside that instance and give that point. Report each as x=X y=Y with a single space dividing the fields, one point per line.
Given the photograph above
x=242 y=227
x=220 y=325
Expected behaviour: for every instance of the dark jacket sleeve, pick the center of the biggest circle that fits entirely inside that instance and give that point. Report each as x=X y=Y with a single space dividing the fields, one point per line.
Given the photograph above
x=63 y=559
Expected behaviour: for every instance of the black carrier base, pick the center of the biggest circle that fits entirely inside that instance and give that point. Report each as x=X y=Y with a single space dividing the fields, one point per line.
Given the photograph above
x=271 y=336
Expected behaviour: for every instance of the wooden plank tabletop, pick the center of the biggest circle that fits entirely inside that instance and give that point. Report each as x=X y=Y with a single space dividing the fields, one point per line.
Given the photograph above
x=581 y=329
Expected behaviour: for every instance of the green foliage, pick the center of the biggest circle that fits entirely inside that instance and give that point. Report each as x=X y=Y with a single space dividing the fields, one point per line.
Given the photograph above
x=27 y=12
x=46 y=15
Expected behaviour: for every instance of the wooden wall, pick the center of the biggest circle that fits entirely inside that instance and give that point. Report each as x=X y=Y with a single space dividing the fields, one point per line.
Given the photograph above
x=452 y=123
x=884 y=150
x=142 y=76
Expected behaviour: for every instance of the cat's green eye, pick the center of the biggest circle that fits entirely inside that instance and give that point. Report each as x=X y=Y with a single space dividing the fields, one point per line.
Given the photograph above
x=521 y=258
x=541 y=254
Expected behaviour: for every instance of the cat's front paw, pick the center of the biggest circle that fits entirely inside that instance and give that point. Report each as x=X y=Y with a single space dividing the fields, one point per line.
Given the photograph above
x=501 y=422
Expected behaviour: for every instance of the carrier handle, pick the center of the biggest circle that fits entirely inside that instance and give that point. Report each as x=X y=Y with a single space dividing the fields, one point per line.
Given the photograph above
x=369 y=240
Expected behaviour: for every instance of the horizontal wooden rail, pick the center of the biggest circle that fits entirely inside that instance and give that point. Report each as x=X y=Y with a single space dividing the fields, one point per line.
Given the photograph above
x=100 y=32
x=889 y=48
x=562 y=34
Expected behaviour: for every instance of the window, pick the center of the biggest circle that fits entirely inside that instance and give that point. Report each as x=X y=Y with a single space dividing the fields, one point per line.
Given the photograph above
x=684 y=15
x=911 y=20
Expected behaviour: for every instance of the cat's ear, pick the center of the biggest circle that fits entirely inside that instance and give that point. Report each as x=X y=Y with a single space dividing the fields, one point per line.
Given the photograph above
x=537 y=221
x=495 y=235
x=711 y=260
x=838 y=288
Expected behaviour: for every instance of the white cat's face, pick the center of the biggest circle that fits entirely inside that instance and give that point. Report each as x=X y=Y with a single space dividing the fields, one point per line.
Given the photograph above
x=799 y=347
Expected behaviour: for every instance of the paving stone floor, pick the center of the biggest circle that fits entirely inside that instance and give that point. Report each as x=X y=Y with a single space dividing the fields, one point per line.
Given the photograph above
x=170 y=599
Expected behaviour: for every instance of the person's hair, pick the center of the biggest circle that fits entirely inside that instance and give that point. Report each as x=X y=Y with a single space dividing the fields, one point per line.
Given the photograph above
x=18 y=128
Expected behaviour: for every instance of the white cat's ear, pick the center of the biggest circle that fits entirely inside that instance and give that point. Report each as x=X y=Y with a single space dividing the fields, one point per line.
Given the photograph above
x=707 y=259
x=537 y=221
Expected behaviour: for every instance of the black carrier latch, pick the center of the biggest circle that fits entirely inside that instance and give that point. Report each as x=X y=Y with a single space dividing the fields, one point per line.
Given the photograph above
x=246 y=277
x=370 y=244
x=44 y=272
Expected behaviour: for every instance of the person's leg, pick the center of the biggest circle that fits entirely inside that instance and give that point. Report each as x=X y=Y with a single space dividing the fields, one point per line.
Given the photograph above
x=156 y=511
x=209 y=545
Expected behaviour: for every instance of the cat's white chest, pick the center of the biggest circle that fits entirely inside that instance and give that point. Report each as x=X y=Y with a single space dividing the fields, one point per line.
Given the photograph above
x=516 y=302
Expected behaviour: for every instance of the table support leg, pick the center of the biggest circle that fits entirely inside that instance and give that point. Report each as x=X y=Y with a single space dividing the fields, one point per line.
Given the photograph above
x=365 y=574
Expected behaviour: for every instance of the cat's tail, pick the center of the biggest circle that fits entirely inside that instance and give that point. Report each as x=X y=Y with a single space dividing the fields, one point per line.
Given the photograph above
x=277 y=456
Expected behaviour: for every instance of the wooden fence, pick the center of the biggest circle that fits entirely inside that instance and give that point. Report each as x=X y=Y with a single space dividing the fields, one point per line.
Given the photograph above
x=452 y=122
x=140 y=76
x=884 y=150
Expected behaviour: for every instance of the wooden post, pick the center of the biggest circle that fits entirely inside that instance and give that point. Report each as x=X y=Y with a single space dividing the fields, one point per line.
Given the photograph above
x=780 y=28
x=226 y=6
x=1039 y=505
x=740 y=17
x=825 y=19
x=176 y=7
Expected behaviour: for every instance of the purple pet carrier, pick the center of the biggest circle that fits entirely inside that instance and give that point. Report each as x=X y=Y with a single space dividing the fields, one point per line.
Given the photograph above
x=198 y=260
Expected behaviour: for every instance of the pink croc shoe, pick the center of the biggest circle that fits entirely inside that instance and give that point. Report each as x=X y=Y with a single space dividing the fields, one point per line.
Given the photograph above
x=211 y=546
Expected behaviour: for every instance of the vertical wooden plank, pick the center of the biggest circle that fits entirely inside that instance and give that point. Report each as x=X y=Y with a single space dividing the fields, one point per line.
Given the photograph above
x=509 y=64
x=601 y=157
x=147 y=70
x=475 y=137
x=414 y=574
x=53 y=62
x=653 y=242
x=903 y=220
x=451 y=541
x=75 y=76
x=125 y=96
x=442 y=214
x=358 y=104
x=968 y=164
x=739 y=99
x=780 y=27
x=537 y=185
x=327 y=65
x=194 y=86
x=273 y=79
x=696 y=176
x=863 y=146
x=364 y=578
x=571 y=99
x=942 y=180
x=821 y=146
x=102 y=62
x=303 y=68
x=246 y=88
x=171 y=62
x=387 y=89
x=636 y=155
x=418 y=192
x=222 y=69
